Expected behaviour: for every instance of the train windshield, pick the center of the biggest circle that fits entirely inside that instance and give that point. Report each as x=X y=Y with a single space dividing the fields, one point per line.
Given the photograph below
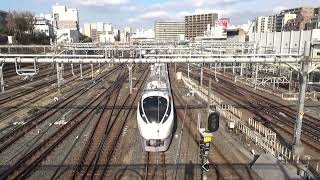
x=154 y=108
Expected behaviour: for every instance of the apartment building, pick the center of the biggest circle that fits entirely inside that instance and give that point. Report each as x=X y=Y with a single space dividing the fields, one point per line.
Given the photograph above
x=265 y=24
x=168 y=30
x=65 y=18
x=65 y=22
x=282 y=19
x=196 y=25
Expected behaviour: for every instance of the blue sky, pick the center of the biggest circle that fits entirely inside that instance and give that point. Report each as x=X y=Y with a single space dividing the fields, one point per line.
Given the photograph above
x=142 y=13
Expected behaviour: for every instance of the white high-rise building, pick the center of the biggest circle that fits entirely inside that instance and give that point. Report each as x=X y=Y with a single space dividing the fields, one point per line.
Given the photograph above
x=168 y=30
x=65 y=18
x=65 y=23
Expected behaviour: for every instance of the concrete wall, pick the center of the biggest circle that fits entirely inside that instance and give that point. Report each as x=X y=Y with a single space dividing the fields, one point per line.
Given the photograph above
x=284 y=42
x=67 y=36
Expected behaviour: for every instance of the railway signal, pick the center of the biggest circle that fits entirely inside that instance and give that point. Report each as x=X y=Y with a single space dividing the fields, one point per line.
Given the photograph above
x=205 y=140
x=205 y=166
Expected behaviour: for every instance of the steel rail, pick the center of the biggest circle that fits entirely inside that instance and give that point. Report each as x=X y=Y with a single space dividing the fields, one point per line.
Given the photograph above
x=12 y=136
x=99 y=126
x=56 y=137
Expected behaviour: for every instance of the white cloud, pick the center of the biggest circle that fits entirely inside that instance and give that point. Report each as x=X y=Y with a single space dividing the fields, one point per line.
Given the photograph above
x=181 y=14
x=153 y=14
x=101 y=2
x=277 y=9
x=221 y=13
x=149 y=15
x=199 y=3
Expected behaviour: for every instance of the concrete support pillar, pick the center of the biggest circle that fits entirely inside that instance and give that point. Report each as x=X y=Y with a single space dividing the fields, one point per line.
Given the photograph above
x=296 y=143
x=81 y=76
x=300 y=42
x=130 y=77
x=1 y=78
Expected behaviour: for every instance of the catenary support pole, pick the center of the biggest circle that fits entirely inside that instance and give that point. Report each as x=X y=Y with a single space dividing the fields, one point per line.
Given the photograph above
x=201 y=75
x=1 y=78
x=58 y=76
x=130 y=77
x=209 y=97
x=92 y=75
x=215 y=71
x=81 y=76
x=241 y=69
x=72 y=70
x=233 y=68
x=296 y=145
x=188 y=70
x=290 y=80
x=256 y=76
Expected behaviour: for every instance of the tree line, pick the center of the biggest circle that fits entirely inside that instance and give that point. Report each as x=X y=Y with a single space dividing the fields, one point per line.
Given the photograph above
x=21 y=25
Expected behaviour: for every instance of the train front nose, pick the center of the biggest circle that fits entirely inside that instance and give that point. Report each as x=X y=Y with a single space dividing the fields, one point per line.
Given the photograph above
x=155 y=108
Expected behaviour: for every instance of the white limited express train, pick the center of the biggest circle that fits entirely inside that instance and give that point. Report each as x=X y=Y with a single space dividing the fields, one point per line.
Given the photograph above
x=155 y=114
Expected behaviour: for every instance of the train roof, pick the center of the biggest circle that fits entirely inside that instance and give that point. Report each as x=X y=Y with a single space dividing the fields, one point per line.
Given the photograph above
x=158 y=79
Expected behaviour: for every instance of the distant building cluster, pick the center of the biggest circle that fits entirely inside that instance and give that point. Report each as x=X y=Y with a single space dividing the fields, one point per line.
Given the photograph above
x=99 y=31
x=200 y=26
x=295 y=19
x=62 y=24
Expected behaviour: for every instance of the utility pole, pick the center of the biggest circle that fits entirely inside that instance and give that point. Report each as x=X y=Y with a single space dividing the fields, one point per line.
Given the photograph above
x=296 y=144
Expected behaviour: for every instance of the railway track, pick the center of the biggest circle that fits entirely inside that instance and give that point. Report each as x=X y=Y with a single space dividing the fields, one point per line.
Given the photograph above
x=222 y=170
x=155 y=165
x=41 y=84
x=25 y=165
x=12 y=136
x=100 y=128
x=96 y=164
x=7 y=110
x=268 y=110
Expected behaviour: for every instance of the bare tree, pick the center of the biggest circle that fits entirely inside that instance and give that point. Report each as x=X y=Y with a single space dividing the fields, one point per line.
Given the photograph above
x=19 y=23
